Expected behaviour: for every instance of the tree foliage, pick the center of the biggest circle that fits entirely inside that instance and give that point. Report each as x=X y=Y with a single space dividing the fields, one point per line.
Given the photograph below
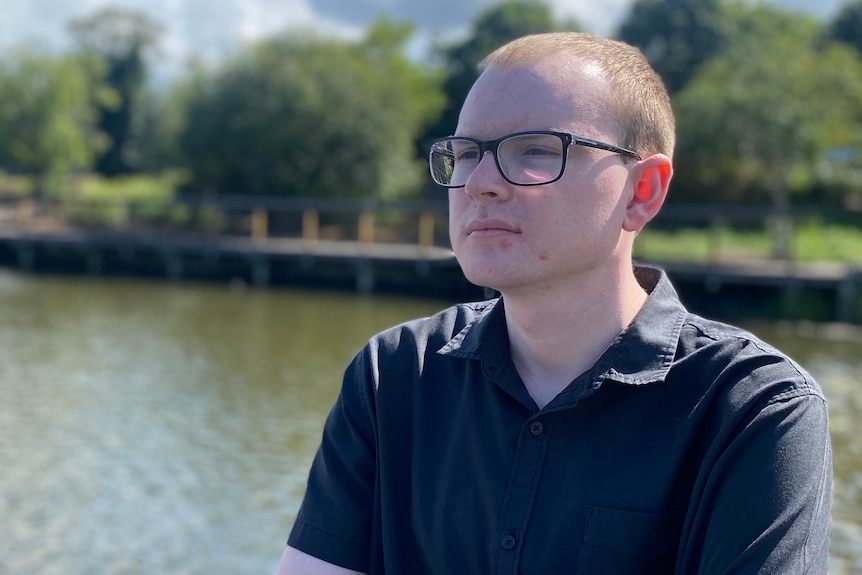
x=677 y=36
x=766 y=110
x=847 y=26
x=494 y=27
x=47 y=123
x=120 y=38
x=764 y=99
x=309 y=116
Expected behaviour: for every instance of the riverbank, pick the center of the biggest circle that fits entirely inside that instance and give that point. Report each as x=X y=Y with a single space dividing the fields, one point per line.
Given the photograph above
x=744 y=289
x=364 y=267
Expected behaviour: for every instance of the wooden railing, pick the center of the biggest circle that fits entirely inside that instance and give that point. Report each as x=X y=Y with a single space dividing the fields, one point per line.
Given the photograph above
x=420 y=223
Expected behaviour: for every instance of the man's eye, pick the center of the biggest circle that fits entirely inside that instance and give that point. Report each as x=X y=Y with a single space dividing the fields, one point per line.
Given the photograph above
x=540 y=152
x=469 y=154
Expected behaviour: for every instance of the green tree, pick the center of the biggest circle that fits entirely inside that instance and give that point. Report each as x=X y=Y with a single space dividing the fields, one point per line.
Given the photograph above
x=677 y=36
x=48 y=126
x=763 y=114
x=494 y=27
x=156 y=127
x=163 y=118
x=121 y=38
x=308 y=116
x=847 y=25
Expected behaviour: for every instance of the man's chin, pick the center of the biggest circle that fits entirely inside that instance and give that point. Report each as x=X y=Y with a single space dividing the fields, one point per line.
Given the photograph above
x=493 y=281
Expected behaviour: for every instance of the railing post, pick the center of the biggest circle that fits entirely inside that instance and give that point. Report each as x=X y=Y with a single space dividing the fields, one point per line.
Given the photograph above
x=716 y=225
x=124 y=215
x=426 y=232
x=24 y=213
x=26 y=254
x=58 y=214
x=260 y=271
x=783 y=236
x=95 y=261
x=847 y=291
x=366 y=228
x=173 y=265
x=259 y=225
x=310 y=226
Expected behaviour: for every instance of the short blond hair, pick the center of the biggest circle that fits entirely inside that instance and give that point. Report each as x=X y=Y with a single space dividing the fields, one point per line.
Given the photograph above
x=637 y=98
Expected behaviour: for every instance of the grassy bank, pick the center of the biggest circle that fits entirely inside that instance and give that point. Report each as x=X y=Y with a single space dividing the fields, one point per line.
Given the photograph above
x=811 y=240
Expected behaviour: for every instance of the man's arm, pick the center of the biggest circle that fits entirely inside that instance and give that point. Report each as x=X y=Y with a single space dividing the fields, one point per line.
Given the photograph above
x=295 y=562
x=766 y=506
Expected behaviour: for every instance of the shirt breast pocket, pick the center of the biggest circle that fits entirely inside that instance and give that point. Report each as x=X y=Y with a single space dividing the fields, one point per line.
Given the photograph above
x=627 y=543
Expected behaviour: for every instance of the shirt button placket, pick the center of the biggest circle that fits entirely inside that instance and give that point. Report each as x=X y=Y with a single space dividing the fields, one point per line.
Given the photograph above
x=527 y=468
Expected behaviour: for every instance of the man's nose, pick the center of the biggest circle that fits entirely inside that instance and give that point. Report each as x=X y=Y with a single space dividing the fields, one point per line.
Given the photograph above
x=486 y=181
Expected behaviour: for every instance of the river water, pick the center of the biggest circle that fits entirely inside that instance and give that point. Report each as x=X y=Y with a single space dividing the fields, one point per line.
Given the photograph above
x=168 y=428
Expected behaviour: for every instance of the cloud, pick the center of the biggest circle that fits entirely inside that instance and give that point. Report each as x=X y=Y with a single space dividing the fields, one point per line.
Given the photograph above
x=593 y=17
x=437 y=15
x=210 y=29
x=37 y=23
x=204 y=29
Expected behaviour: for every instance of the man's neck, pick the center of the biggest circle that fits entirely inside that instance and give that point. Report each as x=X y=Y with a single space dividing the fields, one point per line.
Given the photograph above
x=558 y=333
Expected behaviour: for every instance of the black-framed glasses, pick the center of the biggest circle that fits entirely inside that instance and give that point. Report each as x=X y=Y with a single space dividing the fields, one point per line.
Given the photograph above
x=524 y=159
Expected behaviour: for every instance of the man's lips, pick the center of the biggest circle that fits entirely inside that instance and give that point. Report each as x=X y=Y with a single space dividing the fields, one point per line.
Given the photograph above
x=488 y=228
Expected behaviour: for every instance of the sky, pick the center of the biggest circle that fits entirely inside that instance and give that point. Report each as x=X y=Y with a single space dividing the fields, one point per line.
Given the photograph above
x=209 y=29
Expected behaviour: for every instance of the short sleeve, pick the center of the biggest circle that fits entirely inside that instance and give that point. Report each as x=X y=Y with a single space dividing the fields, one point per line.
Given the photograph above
x=334 y=520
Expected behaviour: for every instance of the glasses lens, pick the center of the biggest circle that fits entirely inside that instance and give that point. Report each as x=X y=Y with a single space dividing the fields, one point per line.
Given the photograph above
x=531 y=159
x=525 y=159
x=453 y=160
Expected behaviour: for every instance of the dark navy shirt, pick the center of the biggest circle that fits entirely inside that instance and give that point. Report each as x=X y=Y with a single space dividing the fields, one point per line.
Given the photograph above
x=690 y=447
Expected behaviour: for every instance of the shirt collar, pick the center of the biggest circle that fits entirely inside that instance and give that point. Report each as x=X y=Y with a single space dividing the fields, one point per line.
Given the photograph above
x=642 y=354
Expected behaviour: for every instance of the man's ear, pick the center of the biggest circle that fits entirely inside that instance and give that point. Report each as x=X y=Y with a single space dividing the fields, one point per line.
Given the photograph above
x=650 y=180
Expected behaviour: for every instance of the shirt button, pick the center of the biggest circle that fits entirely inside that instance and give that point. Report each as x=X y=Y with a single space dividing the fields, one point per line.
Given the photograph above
x=508 y=542
x=536 y=428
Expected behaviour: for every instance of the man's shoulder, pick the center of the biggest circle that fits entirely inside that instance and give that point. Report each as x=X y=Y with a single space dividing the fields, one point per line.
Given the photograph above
x=437 y=329
x=738 y=356
x=698 y=331
x=408 y=351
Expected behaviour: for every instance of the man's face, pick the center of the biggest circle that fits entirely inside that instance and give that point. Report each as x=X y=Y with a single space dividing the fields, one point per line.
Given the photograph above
x=512 y=237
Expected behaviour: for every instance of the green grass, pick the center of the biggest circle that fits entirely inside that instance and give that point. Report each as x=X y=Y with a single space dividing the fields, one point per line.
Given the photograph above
x=812 y=240
x=91 y=200
x=817 y=242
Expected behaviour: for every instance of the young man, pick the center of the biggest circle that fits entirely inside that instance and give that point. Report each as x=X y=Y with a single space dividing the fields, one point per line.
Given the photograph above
x=584 y=422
